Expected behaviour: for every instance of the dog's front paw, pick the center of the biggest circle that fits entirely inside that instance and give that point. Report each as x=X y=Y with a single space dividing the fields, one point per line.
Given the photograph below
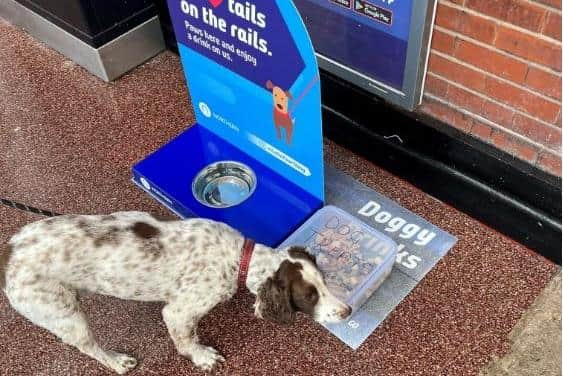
x=206 y=357
x=257 y=309
x=122 y=363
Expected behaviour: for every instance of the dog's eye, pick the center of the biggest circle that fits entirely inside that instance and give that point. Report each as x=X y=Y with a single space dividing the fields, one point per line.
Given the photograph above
x=312 y=294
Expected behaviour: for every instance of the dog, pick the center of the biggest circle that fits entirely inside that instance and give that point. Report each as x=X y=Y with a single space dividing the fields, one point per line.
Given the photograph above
x=191 y=265
x=281 y=114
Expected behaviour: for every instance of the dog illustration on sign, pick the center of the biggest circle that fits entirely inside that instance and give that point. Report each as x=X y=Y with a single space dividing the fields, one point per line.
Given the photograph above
x=282 y=118
x=282 y=111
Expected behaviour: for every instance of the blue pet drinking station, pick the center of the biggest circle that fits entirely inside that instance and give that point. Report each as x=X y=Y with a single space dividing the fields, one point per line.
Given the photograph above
x=254 y=159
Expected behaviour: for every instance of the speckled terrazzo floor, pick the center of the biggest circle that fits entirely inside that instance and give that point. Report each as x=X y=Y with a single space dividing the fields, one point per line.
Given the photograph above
x=67 y=143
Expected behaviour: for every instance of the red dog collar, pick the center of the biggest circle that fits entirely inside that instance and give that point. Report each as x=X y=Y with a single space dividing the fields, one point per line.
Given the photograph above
x=245 y=256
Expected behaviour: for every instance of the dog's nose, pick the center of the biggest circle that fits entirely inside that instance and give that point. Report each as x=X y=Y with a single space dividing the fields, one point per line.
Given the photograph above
x=346 y=312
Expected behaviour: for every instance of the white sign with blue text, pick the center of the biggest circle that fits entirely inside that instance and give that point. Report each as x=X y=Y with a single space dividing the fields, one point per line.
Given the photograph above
x=420 y=246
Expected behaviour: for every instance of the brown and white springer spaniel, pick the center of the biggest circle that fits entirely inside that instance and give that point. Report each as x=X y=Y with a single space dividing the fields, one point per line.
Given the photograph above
x=192 y=265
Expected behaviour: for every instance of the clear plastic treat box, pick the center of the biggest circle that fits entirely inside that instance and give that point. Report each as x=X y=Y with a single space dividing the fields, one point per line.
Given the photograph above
x=354 y=258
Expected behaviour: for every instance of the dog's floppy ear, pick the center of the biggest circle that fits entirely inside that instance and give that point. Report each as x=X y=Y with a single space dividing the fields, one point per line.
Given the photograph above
x=297 y=252
x=288 y=94
x=269 y=85
x=275 y=295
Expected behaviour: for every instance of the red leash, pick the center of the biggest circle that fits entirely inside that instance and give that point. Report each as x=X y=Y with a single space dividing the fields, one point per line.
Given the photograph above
x=246 y=255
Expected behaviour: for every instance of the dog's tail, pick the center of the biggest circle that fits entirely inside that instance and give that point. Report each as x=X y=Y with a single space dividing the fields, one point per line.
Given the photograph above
x=5 y=254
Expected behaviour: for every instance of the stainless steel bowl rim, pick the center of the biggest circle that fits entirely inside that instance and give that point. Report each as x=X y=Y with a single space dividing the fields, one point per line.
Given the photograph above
x=217 y=170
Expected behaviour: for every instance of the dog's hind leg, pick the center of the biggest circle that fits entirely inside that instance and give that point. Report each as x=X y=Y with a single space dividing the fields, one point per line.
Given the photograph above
x=55 y=307
x=181 y=319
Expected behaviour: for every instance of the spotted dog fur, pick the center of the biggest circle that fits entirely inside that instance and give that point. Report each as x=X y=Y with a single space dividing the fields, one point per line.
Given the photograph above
x=191 y=265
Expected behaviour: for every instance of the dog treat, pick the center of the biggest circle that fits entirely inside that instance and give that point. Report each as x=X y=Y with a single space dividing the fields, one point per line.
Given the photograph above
x=353 y=257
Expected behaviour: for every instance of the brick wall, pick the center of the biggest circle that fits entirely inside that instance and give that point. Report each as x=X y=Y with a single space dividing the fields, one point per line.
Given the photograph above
x=495 y=72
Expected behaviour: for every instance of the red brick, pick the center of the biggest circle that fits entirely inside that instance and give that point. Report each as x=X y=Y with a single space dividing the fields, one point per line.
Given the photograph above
x=552 y=25
x=443 y=42
x=529 y=47
x=482 y=131
x=431 y=107
x=465 y=99
x=473 y=26
x=497 y=114
x=544 y=82
x=519 y=148
x=526 y=15
x=525 y=151
x=477 y=28
x=518 y=12
x=460 y=121
x=436 y=86
x=497 y=9
x=550 y=163
x=491 y=61
x=553 y=3
x=522 y=100
x=539 y=132
x=453 y=71
x=447 y=114
x=447 y=17
x=501 y=140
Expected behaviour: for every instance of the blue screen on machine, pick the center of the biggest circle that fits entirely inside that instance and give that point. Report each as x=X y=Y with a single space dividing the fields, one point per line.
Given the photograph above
x=368 y=37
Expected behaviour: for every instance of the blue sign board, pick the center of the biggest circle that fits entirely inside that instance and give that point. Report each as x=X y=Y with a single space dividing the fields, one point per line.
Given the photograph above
x=248 y=39
x=254 y=84
x=253 y=80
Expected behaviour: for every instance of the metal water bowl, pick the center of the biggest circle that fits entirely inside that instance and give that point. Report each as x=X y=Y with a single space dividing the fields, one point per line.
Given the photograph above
x=224 y=184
